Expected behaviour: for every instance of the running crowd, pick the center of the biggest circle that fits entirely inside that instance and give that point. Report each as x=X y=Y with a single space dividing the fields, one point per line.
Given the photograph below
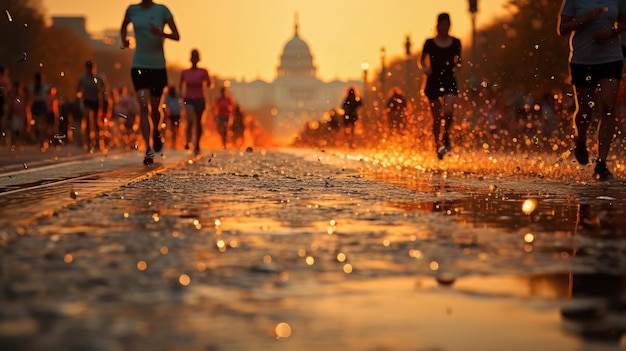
x=33 y=113
x=596 y=66
x=102 y=117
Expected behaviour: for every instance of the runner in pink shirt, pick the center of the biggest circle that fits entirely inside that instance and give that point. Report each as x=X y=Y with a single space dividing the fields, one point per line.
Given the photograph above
x=223 y=110
x=193 y=84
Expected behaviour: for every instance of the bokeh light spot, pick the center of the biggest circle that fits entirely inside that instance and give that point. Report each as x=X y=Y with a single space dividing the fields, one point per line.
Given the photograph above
x=184 y=280
x=282 y=330
x=142 y=265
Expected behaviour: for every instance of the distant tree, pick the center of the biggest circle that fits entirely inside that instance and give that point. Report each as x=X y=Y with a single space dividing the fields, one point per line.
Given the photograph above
x=525 y=50
x=23 y=37
x=64 y=59
x=28 y=45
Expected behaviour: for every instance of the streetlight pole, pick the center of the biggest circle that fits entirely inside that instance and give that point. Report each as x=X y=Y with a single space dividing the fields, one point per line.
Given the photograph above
x=473 y=9
x=364 y=67
x=383 y=70
x=365 y=97
x=407 y=51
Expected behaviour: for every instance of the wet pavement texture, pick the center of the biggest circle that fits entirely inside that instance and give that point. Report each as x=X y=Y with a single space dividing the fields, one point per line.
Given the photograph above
x=299 y=249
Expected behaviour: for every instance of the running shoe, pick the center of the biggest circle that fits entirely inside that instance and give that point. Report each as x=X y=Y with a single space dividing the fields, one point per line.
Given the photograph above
x=149 y=158
x=441 y=152
x=601 y=172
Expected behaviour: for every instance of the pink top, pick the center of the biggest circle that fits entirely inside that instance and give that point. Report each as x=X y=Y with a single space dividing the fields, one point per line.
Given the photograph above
x=224 y=106
x=194 y=79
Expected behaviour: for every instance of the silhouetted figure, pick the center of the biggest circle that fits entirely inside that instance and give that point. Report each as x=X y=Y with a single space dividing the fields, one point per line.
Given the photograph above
x=148 y=68
x=238 y=126
x=52 y=112
x=193 y=84
x=173 y=109
x=69 y=114
x=351 y=105
x=38 y=98
x=440 y=56
x=90 y=90
x=596 y=68
x=396 y=110
x=126 y=109
x=223 y=110
x=19 y=114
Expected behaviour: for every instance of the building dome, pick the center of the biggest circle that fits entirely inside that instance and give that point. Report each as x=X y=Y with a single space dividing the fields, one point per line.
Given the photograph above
x=296 y=59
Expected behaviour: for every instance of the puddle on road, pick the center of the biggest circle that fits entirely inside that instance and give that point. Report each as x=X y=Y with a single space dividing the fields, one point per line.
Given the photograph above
x=371 y=267
x=603 y=218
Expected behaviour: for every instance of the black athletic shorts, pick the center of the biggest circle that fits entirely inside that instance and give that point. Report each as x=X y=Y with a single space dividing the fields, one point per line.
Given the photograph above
x=590 y=75
x=153 y=79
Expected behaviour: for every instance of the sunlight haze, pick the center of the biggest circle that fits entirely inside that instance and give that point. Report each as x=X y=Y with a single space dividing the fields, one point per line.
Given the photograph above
x=243 y=39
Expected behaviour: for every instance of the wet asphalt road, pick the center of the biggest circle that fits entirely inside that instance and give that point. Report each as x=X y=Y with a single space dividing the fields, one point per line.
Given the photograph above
x=278 y=250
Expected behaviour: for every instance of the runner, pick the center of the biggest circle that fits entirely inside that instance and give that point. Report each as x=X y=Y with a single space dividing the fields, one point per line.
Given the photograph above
x=148 y=69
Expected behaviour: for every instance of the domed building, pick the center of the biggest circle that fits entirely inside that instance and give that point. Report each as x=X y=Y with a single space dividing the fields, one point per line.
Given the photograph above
x=296 y=60
x=296 y=96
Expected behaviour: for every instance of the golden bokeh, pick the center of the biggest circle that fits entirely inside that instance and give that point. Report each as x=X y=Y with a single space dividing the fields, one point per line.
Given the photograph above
x=282 y=330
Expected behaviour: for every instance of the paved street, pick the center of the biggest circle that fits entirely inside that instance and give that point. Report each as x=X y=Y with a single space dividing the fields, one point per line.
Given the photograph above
x=302 y=250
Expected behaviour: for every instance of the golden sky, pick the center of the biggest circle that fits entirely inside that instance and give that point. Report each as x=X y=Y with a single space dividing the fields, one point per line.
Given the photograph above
x=243 y=39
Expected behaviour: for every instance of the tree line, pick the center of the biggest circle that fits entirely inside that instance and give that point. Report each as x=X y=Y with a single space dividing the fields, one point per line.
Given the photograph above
x=517 y=53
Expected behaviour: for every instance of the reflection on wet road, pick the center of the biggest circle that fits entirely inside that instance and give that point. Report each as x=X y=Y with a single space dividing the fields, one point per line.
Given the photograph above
x=270 y=251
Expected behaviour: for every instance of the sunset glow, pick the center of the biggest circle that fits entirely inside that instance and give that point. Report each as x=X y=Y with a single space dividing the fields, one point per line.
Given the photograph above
x=243 y=39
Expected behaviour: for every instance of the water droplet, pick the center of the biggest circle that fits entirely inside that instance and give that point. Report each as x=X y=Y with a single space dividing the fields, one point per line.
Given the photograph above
x=609 y=198
x=588 y=78
x=445 y=279
x=592 y=104
x=8 y=15
x=22 y=57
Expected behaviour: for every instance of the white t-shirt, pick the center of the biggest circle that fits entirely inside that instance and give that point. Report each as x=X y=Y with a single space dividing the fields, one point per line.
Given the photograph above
x=583 y=48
